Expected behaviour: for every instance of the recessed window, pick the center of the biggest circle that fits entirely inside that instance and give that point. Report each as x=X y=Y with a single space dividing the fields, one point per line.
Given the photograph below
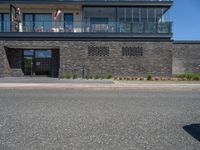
x=98 y=51
x=43 y=54
x=28 y=52
x=132 y=51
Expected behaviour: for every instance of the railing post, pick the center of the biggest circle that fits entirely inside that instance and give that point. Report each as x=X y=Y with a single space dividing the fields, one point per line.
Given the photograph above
x=156 y=27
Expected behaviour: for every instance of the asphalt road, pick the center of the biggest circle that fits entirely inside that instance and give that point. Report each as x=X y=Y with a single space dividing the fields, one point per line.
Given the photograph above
x=99 y=120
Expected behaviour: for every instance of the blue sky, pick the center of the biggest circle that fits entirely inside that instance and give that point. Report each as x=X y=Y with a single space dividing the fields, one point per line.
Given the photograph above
x=185 y=15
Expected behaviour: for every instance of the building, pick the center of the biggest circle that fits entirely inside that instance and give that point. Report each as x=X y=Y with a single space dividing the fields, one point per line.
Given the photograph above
x=92 y=37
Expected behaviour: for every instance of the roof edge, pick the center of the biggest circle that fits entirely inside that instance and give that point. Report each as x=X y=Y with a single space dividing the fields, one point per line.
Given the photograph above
x=186 y=42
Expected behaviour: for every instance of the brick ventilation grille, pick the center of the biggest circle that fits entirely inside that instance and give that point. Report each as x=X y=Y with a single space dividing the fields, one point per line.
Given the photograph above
x=132 y=51
x=98 y=51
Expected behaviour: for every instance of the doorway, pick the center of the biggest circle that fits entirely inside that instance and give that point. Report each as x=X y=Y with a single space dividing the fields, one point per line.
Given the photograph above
x=37 y=62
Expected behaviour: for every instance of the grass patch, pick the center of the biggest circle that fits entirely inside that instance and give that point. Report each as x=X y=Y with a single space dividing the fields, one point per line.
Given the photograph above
x=97 y=77
x=189 y=76
x=109 y=76
x=149 y=77
x=66 y=76
x=75 y=76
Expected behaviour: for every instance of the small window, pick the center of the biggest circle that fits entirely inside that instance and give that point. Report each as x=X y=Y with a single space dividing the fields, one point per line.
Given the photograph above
x=43 y=54
x=132 y=51
x=98 y=51
x=28 y=52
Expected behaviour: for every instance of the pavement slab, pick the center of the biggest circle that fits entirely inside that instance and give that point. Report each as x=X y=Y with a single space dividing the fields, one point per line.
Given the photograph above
x=54 y=83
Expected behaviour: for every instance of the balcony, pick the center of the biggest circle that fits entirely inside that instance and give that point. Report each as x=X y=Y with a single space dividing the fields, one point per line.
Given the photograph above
x=80 y=27
x=83 y=31
x=89 y=21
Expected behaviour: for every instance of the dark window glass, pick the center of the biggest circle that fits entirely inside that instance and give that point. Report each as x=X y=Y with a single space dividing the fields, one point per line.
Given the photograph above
x=28 y=23
x=68 y=22
x=0 y=22
x=43 y=22
x=4 y=22
x=38 y=22
x=99 y=24
x=101 y=19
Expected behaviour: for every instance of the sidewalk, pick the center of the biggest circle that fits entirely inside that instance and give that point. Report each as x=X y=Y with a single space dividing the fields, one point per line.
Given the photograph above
x=50 y=83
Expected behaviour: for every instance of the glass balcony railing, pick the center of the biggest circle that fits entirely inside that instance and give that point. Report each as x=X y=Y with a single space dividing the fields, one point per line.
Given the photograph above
x=81 y=27
x=128 y=27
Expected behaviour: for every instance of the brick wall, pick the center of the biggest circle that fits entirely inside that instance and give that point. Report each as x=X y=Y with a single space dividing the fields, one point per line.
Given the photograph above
x=4 y=65
x=186 y=58
x=158 y=58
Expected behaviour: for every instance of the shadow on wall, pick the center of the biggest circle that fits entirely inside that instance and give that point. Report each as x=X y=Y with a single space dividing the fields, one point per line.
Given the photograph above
x=193 y=130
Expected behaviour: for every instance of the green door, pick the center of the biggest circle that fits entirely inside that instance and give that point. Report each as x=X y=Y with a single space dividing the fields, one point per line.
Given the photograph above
x=28 y=62
x=28 y=65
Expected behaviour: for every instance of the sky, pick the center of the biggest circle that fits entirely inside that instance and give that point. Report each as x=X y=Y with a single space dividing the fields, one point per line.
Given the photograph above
x=185 y=15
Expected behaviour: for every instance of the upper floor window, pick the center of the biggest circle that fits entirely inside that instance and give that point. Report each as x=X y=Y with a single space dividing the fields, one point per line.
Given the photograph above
x=37 y=22
x=125 y=19
x=99 y=24
x=68 y=18
x=99 y=19
x=4 y=22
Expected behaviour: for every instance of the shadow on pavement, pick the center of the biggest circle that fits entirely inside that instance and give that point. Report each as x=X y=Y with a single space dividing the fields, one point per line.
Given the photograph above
x=193 y=130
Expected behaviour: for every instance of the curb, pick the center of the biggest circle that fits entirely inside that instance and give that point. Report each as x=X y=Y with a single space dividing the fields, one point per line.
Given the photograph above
x=97 y=86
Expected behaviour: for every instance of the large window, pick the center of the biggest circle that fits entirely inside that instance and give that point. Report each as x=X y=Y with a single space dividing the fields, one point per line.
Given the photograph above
x=100 y=19
x=4 y=22
x=37 y=22
x=99 y=24
x=38 y=53
x=125 y=19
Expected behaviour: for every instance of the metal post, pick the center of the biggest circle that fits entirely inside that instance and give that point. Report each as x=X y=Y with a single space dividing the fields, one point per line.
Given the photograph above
x=85 y=73
x=116 y=19
x=139 y=15
x=147 y=15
